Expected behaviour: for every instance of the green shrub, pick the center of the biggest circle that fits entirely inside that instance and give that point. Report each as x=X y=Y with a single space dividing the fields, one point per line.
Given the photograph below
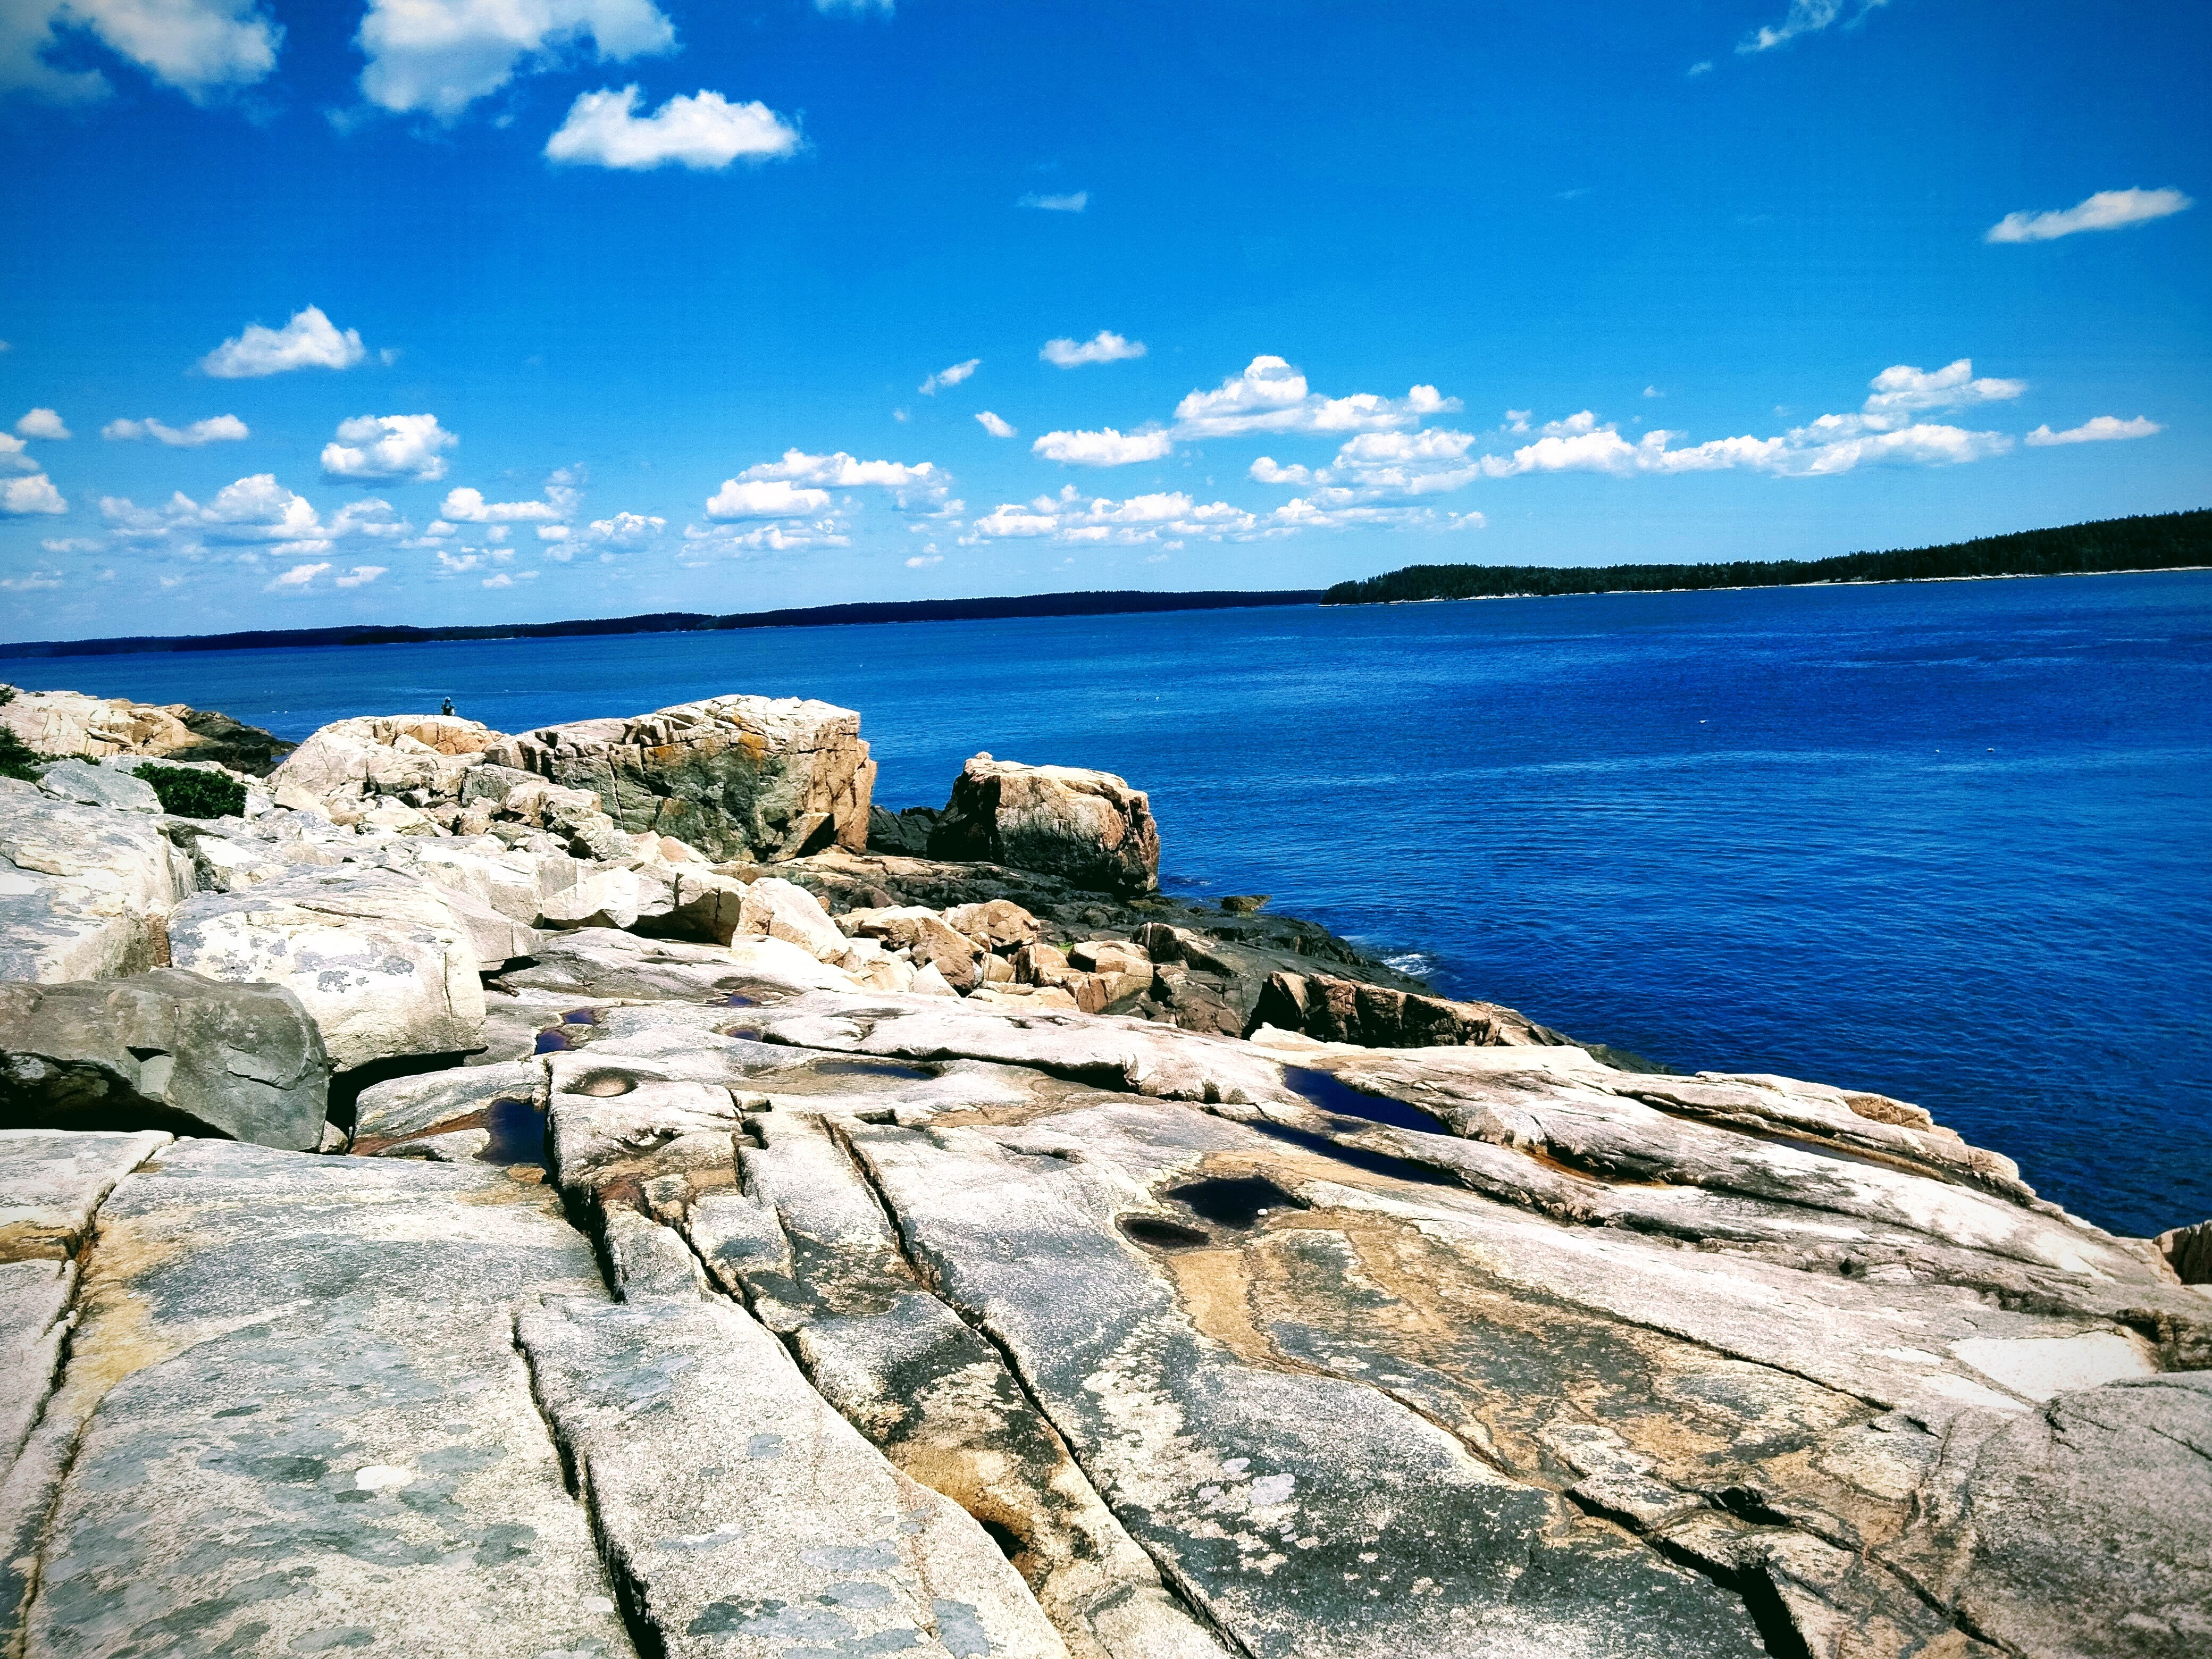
x=191 y=794
x=17 y=759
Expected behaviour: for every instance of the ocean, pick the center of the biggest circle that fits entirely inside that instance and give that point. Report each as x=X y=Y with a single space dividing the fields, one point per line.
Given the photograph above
x=1945 y=840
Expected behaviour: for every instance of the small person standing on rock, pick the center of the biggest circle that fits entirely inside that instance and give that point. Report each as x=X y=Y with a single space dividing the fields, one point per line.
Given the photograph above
x=449 y=708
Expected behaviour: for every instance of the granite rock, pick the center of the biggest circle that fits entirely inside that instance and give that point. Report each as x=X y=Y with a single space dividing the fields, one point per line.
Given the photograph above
x=1088 y=826
x=167 y=1049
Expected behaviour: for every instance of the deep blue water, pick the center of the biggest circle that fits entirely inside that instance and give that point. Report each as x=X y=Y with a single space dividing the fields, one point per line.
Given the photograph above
x=1947 y=840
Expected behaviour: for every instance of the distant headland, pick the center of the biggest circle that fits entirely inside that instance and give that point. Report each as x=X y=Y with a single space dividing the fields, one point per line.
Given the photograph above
x=2163 y=541
x=2166 y=541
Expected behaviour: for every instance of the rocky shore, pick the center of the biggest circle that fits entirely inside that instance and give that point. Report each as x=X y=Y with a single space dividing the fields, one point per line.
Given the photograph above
x=614 y=1189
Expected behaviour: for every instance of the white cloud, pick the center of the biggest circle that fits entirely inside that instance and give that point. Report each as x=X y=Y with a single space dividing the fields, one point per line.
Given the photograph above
x=552 y=532
x=1073 y=202
x=360 y=575
x=1804 y=17
x=1653 y=392
x=788 y=535
x=1170 y=518
x=405 y=447
x=499 y=580
x=841 y=471
x=1271 y=396
x=952 y=376
x=827 y=6
x=2099 y=429
x=1103 y=347
x=297 y=577
x=741 y=498
x=921 y=560
x=1107 y=447
x=308 y=341
x=12 y=456
x=2108 y=209
x=992 y=424
x=41 y=423
x=201 y=47
x=1703 y=66
x=702 y=132
x=31 y=581
x=440 y=56
x=219 y=428
x=1903 y=387
x=465 y=506
x=625 y=529
x=21 y=497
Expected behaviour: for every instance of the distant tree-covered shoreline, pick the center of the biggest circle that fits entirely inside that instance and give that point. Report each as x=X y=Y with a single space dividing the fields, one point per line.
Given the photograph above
x=2164 y=541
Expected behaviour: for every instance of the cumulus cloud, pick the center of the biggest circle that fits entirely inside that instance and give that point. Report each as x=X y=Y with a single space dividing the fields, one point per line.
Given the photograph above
x=1903 y=387
x=41 y=423
x=466 y=506
x=404 y=447
x=1271 y=396
x=784 y=536
x=22 y=497
x=703 y=132
x=360 y=575
x=2108 y=209
x=625 y=530
x=308 y=341
x=1106 y=447
x=218 y=429
x=841 y=471
x=203 y=48
x=1072 y=202
x=2098 y=429
x=13 y=458
x=1171 y=517
x=297 y=577
x=1888 y=430
x=776 y=498
x=250 y=515
x=1103 y=347
x=31 y=581
x=441 y=56
x=1807 y=17
x=992 y=424
x=952 y=376
x=922 y=560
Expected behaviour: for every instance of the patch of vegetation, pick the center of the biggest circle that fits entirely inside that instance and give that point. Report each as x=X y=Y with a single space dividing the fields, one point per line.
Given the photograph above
x=191 y=794
x=17 y=759
x=2163 y=541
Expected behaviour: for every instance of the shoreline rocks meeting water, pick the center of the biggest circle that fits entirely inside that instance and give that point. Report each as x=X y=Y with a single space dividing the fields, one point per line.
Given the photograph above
x=617 y=1189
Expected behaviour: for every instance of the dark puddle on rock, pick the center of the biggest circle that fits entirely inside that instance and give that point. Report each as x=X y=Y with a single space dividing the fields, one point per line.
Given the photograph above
x=1331 y=1093
x=890 y=1068
x=1358 y=1157
x=556 y=1039
x=518 y=1133
x=1162 y=1234
x=1237 y=1201
x=735 y=999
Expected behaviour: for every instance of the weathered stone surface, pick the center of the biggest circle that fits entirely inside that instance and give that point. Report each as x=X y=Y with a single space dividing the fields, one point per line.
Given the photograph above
x=776 y=909
x=51 y=1182
x=787 y=1532
x=167 y=1049
x=925 y=938
x=735 y=777
x=98 y=785
x=2188 y=1250
x=83 y=891
x=1337 y=1010
x=69 y=723
x=300 y=1425
x=387 y=755
x=1088 y=826
x=379 y=961
x=402 y=1107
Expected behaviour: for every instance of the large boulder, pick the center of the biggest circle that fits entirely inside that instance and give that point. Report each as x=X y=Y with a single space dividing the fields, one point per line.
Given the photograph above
x=166 y=1050
x=735 y=777
x=1338 y=1010
x=380 y=959
x=387 y=755
x=69 y=723
x=83 y=891
x=1089 y=827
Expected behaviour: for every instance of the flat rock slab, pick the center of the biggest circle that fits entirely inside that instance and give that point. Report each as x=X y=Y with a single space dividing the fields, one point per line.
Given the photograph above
x=304 y=1424
x=82 y=889
x=1308 y=1516
x=750 y=1521
x=51 y=1182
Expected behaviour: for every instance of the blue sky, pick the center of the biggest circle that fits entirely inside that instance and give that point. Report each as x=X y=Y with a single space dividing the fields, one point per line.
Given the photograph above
x=457 y=310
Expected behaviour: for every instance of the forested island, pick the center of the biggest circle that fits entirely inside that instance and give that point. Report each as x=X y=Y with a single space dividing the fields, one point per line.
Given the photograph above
x=2162 y=541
